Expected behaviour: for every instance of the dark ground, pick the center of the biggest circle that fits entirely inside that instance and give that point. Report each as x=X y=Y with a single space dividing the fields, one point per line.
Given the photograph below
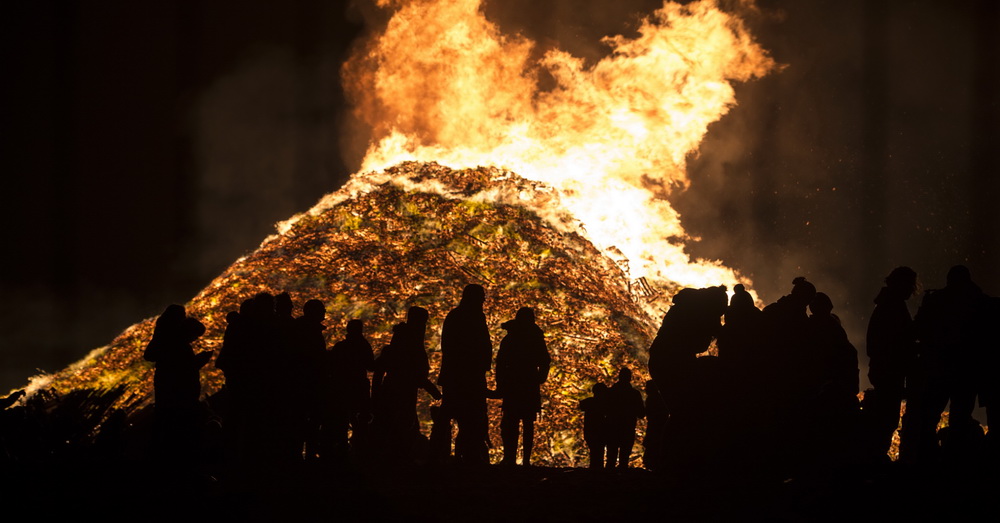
x=112 y=491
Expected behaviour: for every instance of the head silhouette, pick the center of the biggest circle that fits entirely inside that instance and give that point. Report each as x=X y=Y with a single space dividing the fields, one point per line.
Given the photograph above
x=173 y=312
x=355 y=328
x=803 y=291
x=959 y=276
x=625 y=375
x=473 y=295
x=417 y=315
x=283 y=304
x=193 y=329
x=821 y=305
x=314 y=309
x=902 y=281
x=263 y=304
x=741 y=298
x=525 y=315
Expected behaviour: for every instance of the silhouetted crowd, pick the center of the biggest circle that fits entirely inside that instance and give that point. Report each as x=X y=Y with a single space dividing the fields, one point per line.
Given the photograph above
x=772 y=391
x=781 y=394
x=327 y=409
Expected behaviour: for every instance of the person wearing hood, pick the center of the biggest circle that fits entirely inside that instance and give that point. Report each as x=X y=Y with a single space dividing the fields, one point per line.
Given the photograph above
x=522 y=366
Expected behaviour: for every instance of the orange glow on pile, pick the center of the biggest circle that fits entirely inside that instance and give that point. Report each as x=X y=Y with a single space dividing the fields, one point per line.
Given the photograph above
x=442 y=83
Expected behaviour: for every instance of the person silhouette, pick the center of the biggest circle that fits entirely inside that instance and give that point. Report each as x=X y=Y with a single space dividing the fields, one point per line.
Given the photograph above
x=738 y=335
x=400 y=370
x=346 y=365
x=595 y=424
x=233 y=362
x=466 y=357
x=625 y=407
x=309 y=385
x=950 y=327
x=176 y=385
x=891 y=346
x=522 y=366
x=689 y=326
x=784 y=345
x=831 y=369
x=739 y=350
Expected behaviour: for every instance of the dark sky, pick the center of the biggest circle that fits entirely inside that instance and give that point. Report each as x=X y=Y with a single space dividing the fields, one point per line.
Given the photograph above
x=147 y=145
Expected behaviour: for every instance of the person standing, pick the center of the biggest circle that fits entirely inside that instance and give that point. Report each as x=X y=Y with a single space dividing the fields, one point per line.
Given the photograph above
x=401 y=370
x=176 y=385
x=625 y=407
x=522 y=366
x=466 y=356
x=347 y=365
x=891 y=348
x=950 y=325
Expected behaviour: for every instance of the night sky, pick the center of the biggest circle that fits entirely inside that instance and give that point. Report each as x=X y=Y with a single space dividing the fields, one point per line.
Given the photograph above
x=145 y=146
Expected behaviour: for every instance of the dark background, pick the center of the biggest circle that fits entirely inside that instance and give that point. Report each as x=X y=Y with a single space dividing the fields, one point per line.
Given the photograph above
x=145 y=146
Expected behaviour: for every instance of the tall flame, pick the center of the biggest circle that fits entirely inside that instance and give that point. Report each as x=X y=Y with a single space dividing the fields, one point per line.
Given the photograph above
x=442 y=83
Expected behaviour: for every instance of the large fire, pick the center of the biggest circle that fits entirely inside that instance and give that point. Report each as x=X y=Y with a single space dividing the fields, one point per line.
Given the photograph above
x=585 y=236
x=442 y=83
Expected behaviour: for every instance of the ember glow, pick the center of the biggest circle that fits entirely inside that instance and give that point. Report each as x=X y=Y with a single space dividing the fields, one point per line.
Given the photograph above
x=442 y=83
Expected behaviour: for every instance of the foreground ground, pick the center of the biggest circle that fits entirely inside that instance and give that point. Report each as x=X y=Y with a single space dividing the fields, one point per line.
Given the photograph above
x=137 y=492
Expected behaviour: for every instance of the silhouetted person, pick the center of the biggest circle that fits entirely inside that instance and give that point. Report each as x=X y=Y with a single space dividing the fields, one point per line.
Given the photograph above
x=176 y=385
x=831 y=369
x=256 y=378
x=312 y=390
x=294 y=361
x=739 y=335
x=347 y=365
x=785 y=343
x=522 y=366
x=232 y=361
x=466 y=355
x=892 y=353
x=625 y=407
x=739 y=349
x=950 y=329
x=595 y=424
x=689 y=326
x=400 y=370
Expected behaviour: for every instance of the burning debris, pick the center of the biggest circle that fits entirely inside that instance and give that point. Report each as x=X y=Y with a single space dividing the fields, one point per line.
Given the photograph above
x=416 y=234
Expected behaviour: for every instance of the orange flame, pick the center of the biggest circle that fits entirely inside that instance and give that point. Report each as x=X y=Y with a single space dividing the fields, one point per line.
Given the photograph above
x=442 y=83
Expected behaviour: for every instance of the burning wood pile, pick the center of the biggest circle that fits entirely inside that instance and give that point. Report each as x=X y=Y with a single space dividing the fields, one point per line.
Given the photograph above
x=416 y=234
